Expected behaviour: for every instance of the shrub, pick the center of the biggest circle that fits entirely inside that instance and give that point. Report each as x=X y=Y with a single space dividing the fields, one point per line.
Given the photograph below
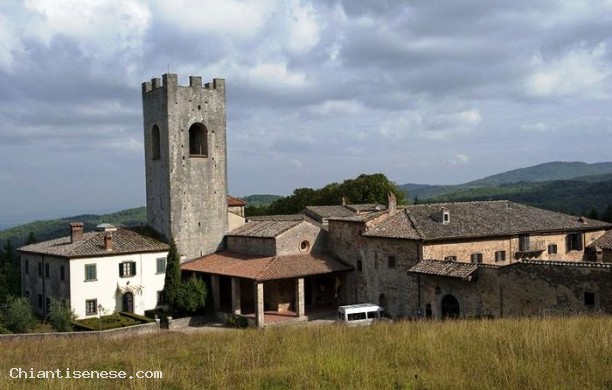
x=190 y=295
x=19 y=318
x=61 y=316
x=4 y=331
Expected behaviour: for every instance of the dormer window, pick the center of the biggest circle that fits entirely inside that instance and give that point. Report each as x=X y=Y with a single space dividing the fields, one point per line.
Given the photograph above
x=445 y=216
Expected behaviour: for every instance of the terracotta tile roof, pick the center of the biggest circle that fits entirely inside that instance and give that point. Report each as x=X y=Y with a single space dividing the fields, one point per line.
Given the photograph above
x=366 y=207
x=603 y=242
x=265 y=268
x=397 y=226
x=264 y=229
x=133 y=240
x=286 y=217
x=361 y=217
x=480 y=219
x=235 y=202
x=451 y=269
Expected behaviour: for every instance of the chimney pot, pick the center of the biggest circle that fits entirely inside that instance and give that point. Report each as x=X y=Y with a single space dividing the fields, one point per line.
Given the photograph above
x=76 y=231
x=108 y=241
x=391 y=203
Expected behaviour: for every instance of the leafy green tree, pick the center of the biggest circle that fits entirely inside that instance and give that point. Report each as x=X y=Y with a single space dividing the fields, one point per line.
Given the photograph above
x=61 y=316
x=190 y=296
x=18 y=317
x=593 y=214
x=31 y=239
x=172 y=279
x=10 y=271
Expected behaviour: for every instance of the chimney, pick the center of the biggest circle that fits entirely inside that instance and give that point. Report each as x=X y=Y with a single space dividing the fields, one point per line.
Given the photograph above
x=108 y=241
x=391 y=203
x=76 y=231
x=343 y=201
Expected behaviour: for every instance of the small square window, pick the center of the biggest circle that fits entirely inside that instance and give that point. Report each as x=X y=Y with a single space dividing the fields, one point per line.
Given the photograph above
x=500 y=256
x=574 y=242
x=552 y=249
x=161 y=265
x=476 y=258
x=91 y=307
x=90 y=272
x=391 y=261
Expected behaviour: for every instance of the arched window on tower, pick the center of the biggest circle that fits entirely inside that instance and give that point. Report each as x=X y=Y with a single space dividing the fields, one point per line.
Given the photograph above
x=198 y=140
x=155 y=146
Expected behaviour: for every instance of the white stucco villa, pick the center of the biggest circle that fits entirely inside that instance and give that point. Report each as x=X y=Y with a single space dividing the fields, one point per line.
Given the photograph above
x=104 y=271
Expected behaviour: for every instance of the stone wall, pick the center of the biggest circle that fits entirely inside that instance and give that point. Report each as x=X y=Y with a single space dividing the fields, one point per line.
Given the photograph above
x=33 y=284
x=524 y=289
x=152 y=327
x=463 y=249
x=253 y=245
x=303 y=238
x=377 y=278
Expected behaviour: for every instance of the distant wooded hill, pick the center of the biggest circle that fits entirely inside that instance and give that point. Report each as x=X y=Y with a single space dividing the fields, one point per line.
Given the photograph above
x=571 y=187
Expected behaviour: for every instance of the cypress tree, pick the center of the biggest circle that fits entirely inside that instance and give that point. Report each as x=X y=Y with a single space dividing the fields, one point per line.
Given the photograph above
x=172 y=279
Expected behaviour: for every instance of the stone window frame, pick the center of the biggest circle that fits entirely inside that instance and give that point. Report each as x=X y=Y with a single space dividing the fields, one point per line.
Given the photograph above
x=500 y=255
x=304 y=246
x=91 y=307
x=91 y=272
x=476 y=258
x=198 y=140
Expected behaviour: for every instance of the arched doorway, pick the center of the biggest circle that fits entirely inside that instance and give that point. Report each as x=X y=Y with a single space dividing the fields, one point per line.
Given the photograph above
x=450 y=307
x=128 y=302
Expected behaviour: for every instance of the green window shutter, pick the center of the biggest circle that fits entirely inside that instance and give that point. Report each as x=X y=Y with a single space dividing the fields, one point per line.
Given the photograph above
x=121 y=270
x=133 y=268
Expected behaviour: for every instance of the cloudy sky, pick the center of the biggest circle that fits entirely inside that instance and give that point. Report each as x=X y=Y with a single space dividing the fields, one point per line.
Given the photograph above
x=437 y=92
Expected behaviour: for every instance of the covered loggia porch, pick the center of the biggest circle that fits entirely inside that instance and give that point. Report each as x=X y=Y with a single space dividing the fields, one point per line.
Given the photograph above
x=273 y=290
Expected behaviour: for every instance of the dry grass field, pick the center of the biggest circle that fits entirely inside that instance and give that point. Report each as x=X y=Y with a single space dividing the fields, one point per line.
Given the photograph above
x=553 y=353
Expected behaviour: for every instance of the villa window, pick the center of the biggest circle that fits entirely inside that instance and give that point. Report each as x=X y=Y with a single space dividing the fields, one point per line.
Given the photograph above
x=90 y=273
x=500 y=256
x=391 y=261
x=161 y=265
x=574 y=242
x=552 y=249
x=359 y=265
x=524 y=242
x=91 y=307
x=127 y=269
x=476 y=258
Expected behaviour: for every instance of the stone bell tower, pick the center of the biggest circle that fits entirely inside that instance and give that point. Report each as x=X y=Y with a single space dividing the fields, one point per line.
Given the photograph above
x=186 y=165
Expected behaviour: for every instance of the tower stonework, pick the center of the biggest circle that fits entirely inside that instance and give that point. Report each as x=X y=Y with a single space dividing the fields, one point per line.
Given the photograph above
x=185 y=159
